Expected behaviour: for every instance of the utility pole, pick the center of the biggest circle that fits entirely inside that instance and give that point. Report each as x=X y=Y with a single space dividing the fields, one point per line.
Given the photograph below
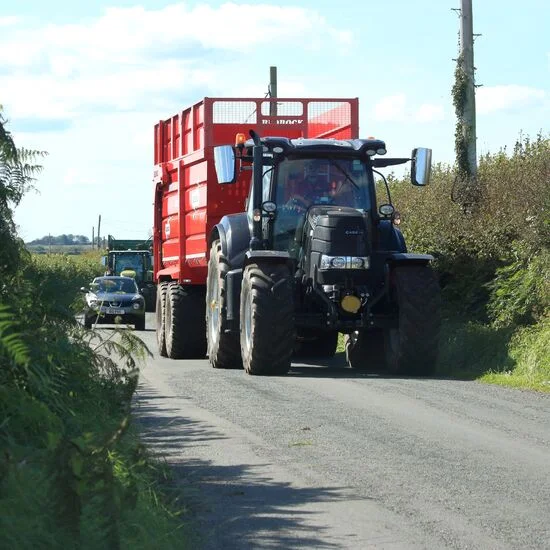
x=93 y=237
x=99 y=233
x=467 y=61
x=273 y=90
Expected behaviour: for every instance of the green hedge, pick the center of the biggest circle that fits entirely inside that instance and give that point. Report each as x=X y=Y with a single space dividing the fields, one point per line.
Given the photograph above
x=71 y=474
x=493 y=257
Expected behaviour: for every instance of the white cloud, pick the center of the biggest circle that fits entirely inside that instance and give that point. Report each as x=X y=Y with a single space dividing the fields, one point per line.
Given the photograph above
x=8 y=20
x=429 y=113
x=396 y=108
x=129 y=57
x=496 y=98
x=391 y=108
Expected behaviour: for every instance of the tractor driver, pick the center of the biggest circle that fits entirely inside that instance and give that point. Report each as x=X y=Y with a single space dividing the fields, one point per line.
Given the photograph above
x=312 y=189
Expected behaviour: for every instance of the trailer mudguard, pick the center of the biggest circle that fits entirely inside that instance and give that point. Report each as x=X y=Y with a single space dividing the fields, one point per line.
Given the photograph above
x=233 y=231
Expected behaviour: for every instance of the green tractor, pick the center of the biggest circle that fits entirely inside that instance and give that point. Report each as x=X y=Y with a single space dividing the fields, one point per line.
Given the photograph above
x=132 y=258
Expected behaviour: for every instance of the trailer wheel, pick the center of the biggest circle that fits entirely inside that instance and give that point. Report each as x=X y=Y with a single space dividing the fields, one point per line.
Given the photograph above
x=365 y=350
x=267 y=319
x=160 y=317
x=319 y=344
x=223 y=348
x=150 y=299
x=411 y=349
x=185 y=322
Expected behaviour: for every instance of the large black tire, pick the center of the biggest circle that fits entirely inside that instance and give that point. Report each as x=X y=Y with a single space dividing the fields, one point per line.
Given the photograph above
x=150 y=300
x=365 y=350
x=140 y=324
x=160 y=317
x=223 y=348
x=185 y=330
x=267 y=318
x=319 y=344
x=412 y=348
x=88 y=322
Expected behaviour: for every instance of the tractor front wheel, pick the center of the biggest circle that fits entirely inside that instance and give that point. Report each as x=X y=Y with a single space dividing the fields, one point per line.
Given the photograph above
x=267 y=318
x=224 y=351
x=411 y=349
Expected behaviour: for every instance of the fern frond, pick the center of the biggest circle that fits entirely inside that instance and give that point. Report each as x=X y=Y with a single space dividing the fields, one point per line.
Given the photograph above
x=11 y=341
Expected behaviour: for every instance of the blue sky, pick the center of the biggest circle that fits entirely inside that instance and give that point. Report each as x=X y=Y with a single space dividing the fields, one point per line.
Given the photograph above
x=87 y=82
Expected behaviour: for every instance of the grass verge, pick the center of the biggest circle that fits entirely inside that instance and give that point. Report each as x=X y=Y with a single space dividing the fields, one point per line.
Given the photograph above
x=518 y=358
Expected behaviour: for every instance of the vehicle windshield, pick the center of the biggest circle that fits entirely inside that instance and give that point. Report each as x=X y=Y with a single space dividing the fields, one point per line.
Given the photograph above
x=302 y=183
x=133 y=262
x=340 y=182
x=121 y=285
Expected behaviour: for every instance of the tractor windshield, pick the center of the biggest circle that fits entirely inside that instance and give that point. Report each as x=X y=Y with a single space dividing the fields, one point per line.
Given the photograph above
x=301 y=183
x=125 y=261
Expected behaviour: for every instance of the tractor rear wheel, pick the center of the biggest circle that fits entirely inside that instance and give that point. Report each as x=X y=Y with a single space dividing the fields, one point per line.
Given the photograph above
x=160 y=316
x=224 y=348
x=411 y=348
x=365 y=350
x=185 y=322
x=267 y=318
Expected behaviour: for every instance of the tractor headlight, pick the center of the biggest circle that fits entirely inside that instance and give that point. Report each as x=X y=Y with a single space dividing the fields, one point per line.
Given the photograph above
x=357 y=262
x=337 y=262
x=344 y=262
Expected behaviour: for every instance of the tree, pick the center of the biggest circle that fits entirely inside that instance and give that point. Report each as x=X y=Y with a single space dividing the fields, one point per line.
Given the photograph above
x=18 y=169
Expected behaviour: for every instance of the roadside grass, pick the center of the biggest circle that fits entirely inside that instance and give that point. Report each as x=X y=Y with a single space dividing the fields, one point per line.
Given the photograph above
x=529 y=351
x=149 y=518
x=470 y=349
x=153 y=516
x=73 y=472
x=517 y=358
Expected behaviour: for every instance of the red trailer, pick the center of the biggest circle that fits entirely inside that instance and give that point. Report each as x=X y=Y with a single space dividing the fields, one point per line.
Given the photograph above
x=188 y=200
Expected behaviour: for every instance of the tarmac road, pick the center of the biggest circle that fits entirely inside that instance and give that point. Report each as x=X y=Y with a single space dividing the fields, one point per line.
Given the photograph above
x=326 y=457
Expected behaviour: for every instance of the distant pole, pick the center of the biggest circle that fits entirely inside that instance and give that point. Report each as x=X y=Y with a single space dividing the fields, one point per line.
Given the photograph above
x=50 y=241
x=93 y=237
x=273 y=90
x=467 y=58
x=99 y=233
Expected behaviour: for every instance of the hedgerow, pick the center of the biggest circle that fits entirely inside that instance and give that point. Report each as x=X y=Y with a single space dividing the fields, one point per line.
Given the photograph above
x=73 y=474
x=493 y=260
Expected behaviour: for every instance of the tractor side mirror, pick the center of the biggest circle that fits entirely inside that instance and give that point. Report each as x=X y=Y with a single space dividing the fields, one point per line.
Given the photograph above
x=224 y=161
x=421 y=166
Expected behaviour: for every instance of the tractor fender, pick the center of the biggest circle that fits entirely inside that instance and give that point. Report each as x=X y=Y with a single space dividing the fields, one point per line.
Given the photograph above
x=274 y=256
x=234 y=279
x=233 y=231
x=401 y=258
x=391 y=237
